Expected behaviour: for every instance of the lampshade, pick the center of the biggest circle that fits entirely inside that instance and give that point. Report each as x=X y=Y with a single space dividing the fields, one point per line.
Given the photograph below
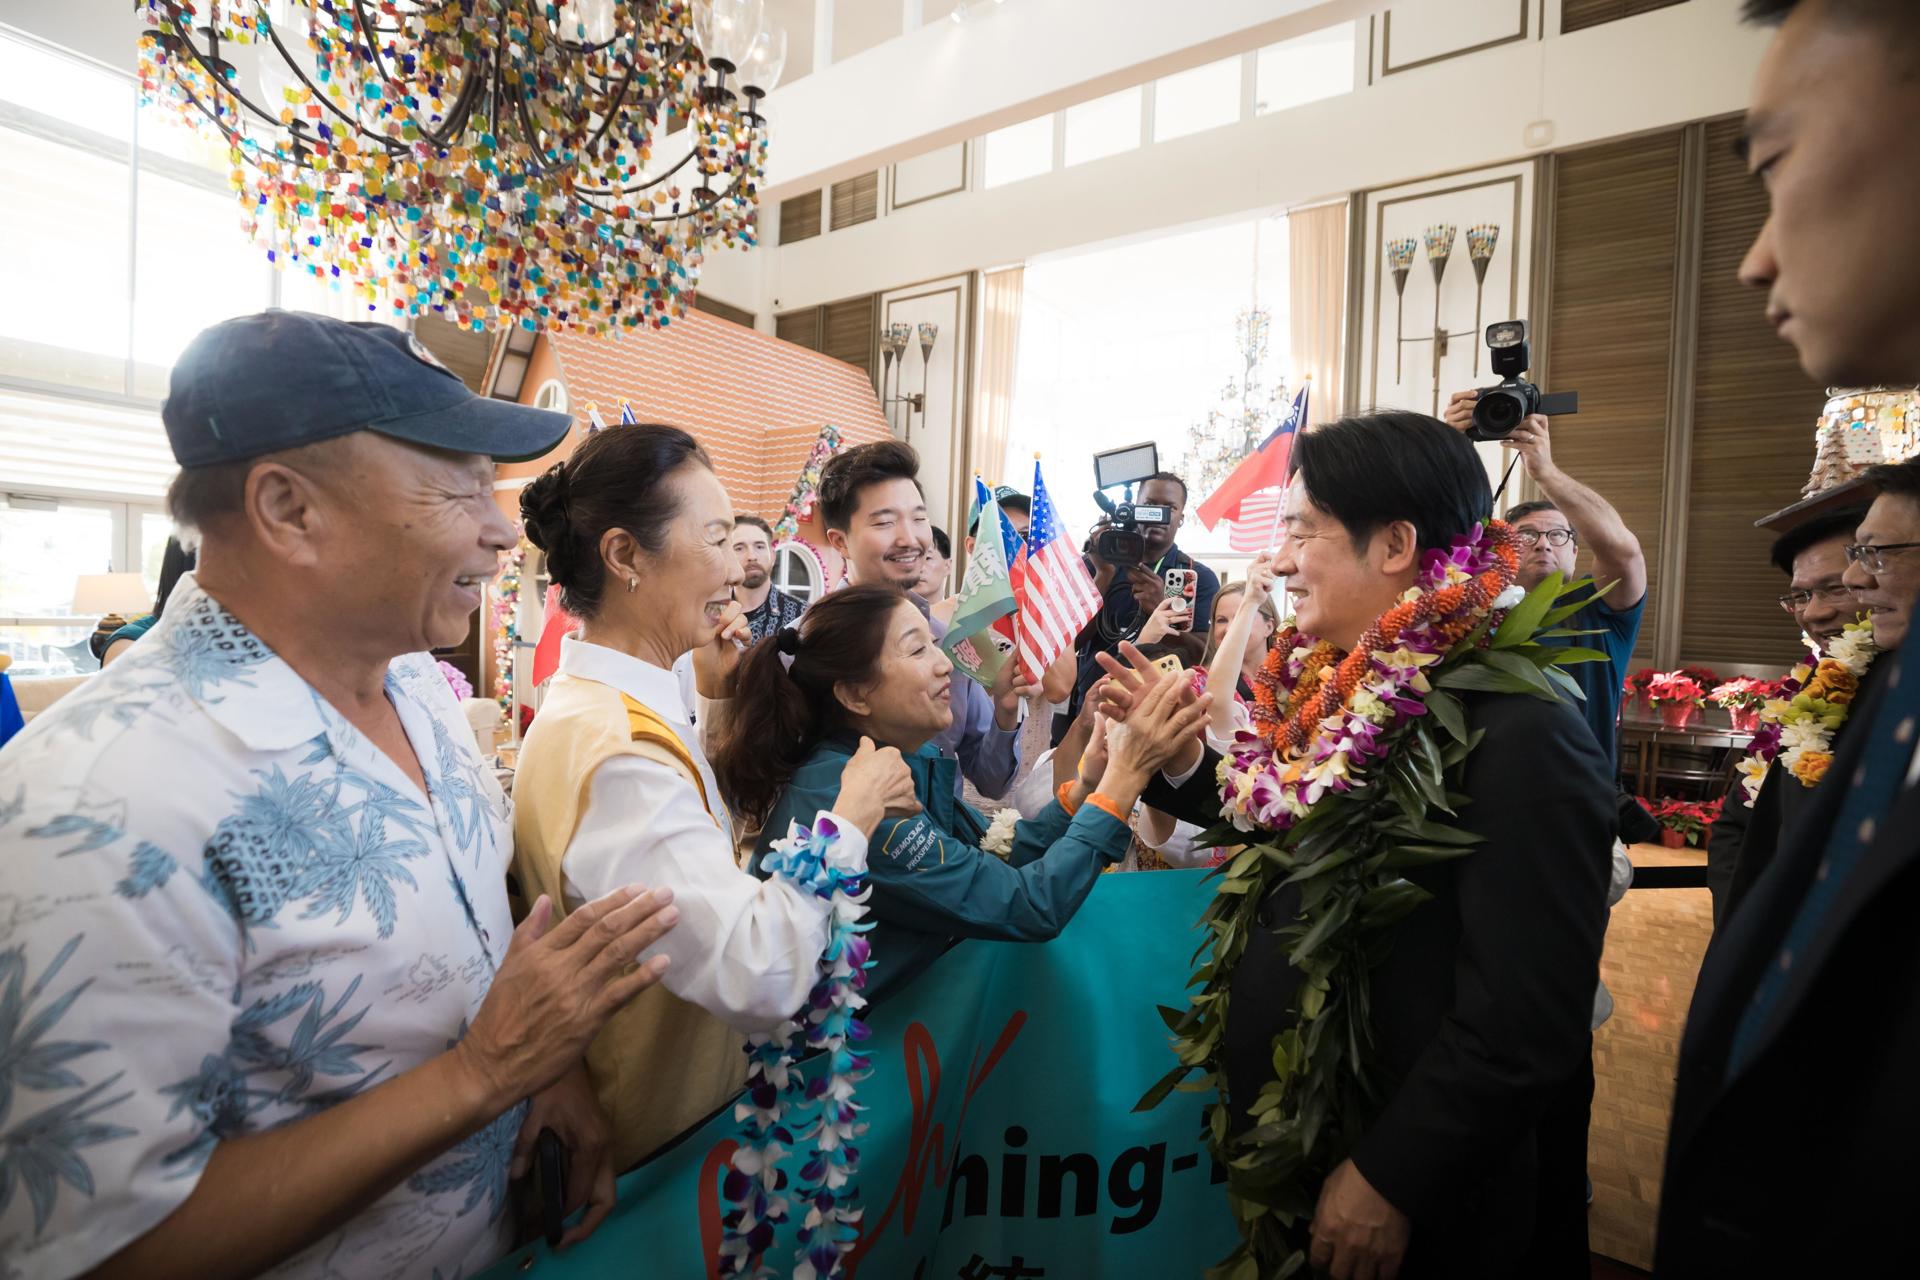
x=725 y=29
x=765 y=61
x=98 y=594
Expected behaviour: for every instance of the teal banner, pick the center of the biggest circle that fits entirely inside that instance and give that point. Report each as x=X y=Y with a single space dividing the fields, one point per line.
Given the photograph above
x=1003 y=1144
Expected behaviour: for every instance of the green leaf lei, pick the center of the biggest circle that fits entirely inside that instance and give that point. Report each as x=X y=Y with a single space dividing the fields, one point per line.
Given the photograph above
x=1347 y=855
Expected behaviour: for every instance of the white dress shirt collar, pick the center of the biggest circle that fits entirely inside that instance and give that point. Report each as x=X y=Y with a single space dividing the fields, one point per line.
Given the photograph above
x=655 y=688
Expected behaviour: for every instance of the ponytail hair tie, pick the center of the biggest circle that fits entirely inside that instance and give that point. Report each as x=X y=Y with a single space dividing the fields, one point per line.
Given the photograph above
x=787 y=641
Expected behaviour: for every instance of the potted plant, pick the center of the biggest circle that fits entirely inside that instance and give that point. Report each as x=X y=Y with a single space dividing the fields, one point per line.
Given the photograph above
x=1685 y=823
x=1677 y=695
x=1634 y=687
x=1743 y=698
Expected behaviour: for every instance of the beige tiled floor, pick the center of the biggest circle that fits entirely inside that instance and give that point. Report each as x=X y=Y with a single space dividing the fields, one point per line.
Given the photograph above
x=1655 y=941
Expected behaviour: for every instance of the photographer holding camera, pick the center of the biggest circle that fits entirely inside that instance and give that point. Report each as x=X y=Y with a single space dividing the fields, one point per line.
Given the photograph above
x=1551 y=534
x=1133 y=588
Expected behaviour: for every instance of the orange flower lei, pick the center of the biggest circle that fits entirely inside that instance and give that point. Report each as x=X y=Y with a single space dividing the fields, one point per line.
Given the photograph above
x=1454 y=610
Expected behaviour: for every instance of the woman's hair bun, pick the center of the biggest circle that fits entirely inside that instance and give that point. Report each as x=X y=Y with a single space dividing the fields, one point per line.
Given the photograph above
x=543 y=508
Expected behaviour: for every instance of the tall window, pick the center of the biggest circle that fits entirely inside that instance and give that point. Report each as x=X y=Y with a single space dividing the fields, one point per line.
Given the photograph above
x=1097 y=371
x=123 y=230
x=46 y=546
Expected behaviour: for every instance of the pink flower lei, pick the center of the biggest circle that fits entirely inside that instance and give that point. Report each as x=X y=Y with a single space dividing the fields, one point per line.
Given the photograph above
x=1262 y=791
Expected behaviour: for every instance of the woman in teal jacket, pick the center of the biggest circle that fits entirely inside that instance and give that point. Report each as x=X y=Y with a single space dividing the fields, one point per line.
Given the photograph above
x=862 y=661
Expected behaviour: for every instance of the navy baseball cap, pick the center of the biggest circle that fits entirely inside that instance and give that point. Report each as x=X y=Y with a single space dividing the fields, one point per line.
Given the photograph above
x=281 y=379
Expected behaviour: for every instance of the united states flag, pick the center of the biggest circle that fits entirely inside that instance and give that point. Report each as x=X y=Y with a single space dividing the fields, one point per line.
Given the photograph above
x=1253 y=529
x=1051 y=585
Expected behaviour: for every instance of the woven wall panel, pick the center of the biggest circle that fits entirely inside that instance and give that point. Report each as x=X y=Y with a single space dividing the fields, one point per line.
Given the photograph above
x=849 y=331
x=726 y=311
x=1753 y=417
x=1616 y=222
x=856 y=200
x=802 y=328
x=800 y=217
x=1578 y=15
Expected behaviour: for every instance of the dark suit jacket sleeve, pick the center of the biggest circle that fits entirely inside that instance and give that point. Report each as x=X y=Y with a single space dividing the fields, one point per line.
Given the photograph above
x=1723 y=845
x=1197 y=800
x=1532 y=904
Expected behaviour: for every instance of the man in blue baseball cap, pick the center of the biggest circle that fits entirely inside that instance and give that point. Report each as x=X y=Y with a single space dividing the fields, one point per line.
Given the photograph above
x=293 y=1023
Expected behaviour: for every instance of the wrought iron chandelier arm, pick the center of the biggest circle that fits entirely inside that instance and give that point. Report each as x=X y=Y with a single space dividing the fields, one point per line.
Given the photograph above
x=457 y=117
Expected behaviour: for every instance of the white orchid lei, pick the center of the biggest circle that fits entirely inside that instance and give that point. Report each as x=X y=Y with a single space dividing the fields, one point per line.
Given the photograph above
x=829 y=1025
x=1797 y=730
x=999 y=836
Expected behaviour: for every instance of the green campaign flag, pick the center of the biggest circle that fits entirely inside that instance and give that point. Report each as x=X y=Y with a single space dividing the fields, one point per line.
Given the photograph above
x=986 y=596
x=1003 y=1140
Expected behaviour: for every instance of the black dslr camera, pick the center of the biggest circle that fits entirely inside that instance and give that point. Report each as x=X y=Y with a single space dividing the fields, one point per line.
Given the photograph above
x=1121 y=543
x=1502 y=408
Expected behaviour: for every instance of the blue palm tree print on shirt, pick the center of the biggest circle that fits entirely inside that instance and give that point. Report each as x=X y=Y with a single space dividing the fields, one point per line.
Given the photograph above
x=43 y=1151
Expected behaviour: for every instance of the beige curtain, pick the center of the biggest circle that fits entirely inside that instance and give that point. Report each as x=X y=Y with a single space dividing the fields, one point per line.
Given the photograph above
x=1317 y=328
x=1000 y=293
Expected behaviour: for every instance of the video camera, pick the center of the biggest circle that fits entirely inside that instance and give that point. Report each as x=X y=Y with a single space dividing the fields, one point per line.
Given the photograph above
x=1500 y=409
x=1121 y=544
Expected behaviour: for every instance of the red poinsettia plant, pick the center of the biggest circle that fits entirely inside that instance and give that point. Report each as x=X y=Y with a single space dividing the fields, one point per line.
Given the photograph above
x=1676 y=686
x=1689 y=821
x=1635 y=685
x=1706 y=677
x=1742 y=692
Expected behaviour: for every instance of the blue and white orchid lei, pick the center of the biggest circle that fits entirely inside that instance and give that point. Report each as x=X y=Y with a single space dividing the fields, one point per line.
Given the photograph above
x=828 y=1025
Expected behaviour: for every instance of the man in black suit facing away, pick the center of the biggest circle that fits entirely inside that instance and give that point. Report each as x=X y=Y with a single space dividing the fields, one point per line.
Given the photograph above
x=1480 y=1004
x=1796 y=1112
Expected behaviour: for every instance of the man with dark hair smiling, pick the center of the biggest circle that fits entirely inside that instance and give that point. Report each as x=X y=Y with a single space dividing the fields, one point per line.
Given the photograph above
x=1795 y=1111
x=1479 y=1002
x=1814 y=556
x=876 y=517
x=1883 y=564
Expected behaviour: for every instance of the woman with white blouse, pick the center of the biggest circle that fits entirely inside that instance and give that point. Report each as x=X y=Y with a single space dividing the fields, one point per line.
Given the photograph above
x=613 y=785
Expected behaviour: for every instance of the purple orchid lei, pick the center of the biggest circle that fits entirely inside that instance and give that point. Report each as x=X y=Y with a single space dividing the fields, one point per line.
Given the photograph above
x=1259 y=791
x=828 y=1025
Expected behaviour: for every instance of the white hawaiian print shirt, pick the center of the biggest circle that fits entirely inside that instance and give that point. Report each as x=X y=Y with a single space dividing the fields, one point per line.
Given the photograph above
x=225 y=910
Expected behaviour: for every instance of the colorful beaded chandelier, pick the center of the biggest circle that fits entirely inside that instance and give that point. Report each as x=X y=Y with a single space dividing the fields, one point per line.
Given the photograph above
x=490 y=160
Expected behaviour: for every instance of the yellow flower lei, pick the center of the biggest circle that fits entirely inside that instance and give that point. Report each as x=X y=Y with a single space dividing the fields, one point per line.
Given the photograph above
x=1798 y=731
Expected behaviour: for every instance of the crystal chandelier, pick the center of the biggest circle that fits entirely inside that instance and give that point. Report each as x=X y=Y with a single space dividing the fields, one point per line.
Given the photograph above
x=1246 y=414
x=492 y=160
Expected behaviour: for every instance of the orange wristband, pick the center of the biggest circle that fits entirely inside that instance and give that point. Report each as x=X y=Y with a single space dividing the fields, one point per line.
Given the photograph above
x=1061 y=793
x=1105 y=804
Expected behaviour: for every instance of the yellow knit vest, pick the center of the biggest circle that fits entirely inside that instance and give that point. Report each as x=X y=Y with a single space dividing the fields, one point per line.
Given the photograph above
x=661 y=1064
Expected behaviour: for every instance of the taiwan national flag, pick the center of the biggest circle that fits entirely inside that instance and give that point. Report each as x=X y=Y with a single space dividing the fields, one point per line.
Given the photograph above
x=1265 y=468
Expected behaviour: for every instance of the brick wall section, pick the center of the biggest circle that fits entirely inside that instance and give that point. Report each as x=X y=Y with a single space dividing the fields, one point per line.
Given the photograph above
x=754 y=402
